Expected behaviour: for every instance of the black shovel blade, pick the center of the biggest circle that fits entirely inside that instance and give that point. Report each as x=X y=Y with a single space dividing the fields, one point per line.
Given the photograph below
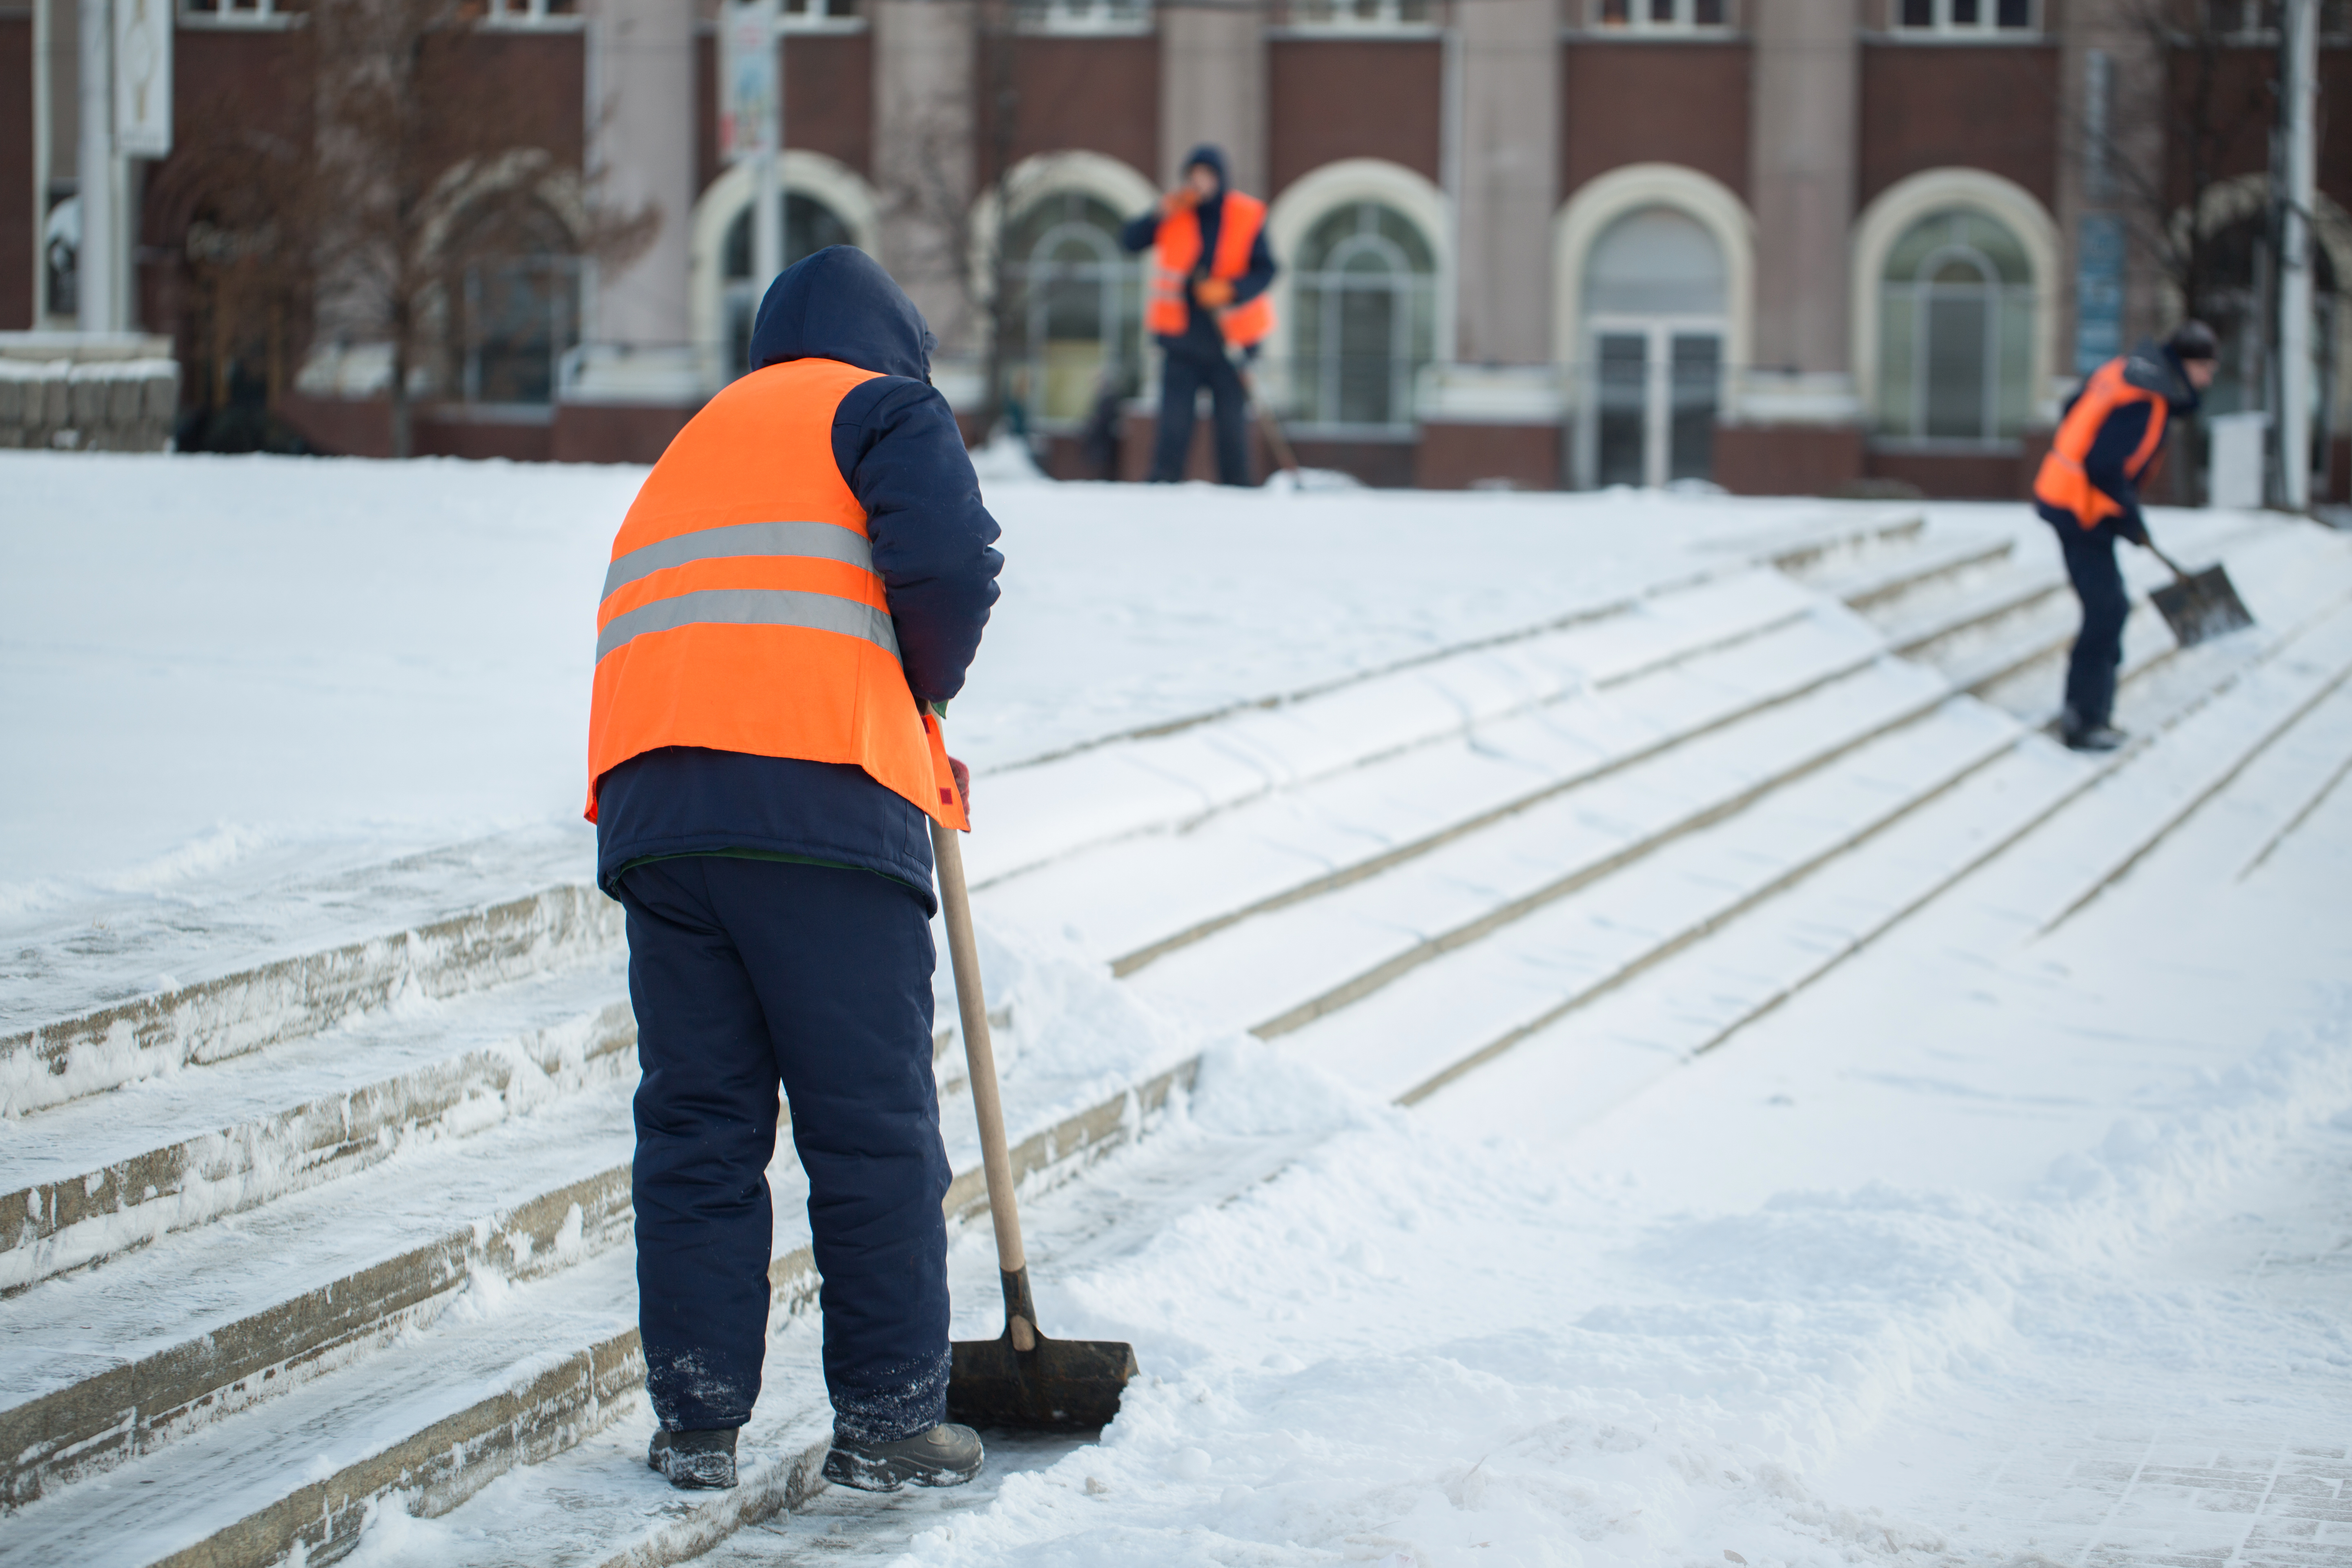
x=2201 y=606
x=1067 y=1385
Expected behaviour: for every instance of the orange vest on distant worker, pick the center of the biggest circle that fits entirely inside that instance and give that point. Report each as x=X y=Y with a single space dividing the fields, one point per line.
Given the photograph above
x=743 y=612
x=1177 y=250
x=2062 y=483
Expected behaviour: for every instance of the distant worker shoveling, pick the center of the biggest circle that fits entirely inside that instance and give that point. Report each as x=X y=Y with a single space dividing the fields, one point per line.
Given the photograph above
x=2088 y=491
x=1019 y=1378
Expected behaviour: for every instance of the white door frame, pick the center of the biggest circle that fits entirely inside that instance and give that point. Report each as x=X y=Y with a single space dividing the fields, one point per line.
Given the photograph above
x=1657 y=393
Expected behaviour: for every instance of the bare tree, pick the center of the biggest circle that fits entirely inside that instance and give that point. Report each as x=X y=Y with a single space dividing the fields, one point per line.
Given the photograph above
x=426 y=170
x=950 y=234
x=2209 y=97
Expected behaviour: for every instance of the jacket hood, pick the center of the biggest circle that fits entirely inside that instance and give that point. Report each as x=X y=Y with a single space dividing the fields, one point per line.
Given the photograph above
x=1211 y=154
x=2154 y=367
x=839 y=304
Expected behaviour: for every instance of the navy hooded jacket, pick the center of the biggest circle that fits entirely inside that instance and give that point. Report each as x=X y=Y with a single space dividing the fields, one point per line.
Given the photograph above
x=1202 y=338
x=896 y=442
x=2153 y=367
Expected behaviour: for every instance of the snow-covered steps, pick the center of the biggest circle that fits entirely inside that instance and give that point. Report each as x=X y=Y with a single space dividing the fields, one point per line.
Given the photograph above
x=1278 y=971
x=2002 y=852
x=184 y=1369
x=1298 y=843
x=290 y=998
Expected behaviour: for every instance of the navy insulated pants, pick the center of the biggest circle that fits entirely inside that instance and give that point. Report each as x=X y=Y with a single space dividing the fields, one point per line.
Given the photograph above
x=2099 y=645
x=1181 y=380
x=745 y=974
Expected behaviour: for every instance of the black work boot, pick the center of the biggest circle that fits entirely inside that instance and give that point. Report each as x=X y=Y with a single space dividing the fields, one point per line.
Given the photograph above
x=695 y=1460
x=2093 y=737
x=945 y=1456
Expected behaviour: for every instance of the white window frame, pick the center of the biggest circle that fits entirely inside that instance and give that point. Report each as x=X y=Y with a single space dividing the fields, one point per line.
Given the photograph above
x=1407 y=290
x=525 y=15
x=1639 y=21
x=820 y=16
x=1889 y=217
x=1998 y=298
x=1089 y=18
x=1116 y=271
x=254 y=13
x=1985 y=26
x=1383 y=18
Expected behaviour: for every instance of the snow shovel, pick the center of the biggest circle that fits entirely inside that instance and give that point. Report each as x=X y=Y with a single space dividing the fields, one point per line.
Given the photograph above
x=1021 y=1378
x=2198 y=607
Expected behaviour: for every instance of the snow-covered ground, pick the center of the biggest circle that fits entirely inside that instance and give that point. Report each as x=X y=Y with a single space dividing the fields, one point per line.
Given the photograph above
x=2026 y=1235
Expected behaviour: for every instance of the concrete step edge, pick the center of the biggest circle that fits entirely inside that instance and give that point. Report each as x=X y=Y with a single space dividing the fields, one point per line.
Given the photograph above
x=254 y=1008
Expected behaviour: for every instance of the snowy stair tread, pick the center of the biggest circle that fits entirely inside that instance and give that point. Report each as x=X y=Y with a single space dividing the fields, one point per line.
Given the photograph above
x=1452 y=1013
x=1274 y=973
x=1291 y=845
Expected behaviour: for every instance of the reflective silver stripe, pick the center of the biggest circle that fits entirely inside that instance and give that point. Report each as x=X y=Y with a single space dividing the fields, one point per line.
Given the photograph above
x=753 y=608
x=819 y=540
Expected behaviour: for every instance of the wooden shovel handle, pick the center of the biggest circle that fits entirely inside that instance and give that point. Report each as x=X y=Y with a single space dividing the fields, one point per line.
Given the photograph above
x=971 y=1003
x=2168 y=560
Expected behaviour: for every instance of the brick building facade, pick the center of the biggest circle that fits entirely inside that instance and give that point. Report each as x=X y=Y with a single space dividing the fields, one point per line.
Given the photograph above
x=1784 y=246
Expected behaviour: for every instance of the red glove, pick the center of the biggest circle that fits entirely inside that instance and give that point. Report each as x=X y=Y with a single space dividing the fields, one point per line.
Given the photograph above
x=964 y=783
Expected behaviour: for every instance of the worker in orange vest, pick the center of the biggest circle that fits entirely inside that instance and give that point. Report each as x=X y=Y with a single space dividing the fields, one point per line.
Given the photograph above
x=2088 y=489
x=1210 y=270
x=796 y=592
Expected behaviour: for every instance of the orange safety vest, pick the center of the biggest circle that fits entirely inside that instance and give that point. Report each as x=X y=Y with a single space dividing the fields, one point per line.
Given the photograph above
x=2062 y=483
x=743 y=612
x=1177 y=250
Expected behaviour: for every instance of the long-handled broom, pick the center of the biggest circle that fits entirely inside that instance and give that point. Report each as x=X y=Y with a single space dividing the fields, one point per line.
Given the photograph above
x=1021 y=1378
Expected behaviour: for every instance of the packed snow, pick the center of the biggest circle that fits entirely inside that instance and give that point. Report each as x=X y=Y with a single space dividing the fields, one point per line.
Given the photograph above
x=1999 y=1247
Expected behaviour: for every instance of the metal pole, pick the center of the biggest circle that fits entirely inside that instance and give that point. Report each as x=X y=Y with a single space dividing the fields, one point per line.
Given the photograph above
x=95 y=261
x=2295 y=390
x=768 y=198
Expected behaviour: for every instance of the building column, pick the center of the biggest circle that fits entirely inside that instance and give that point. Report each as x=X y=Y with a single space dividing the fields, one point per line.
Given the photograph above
x=925 y=61
x=1507 y=155
x=641 y=113
x=638 y=378
x=1212 y=89
x=1802 y=140
x=1490 y=409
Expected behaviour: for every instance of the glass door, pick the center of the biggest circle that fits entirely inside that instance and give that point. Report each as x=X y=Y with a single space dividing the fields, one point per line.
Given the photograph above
x=1654 y=389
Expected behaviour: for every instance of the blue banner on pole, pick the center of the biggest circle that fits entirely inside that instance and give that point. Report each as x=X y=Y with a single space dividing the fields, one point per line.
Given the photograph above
x=2098 y=290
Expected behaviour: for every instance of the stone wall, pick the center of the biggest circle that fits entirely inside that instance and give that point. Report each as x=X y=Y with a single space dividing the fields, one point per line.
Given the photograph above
x=57 y=393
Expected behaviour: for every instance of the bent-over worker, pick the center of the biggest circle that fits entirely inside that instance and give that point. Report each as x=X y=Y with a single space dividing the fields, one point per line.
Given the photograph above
x=1210 y=270
x=795 y=595
x=2088 y=490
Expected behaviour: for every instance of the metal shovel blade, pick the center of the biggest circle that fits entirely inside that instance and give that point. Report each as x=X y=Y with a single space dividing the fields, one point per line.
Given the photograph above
x=1055 y=1385
x=2202 y=606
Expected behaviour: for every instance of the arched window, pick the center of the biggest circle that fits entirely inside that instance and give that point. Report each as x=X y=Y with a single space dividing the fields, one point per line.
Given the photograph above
x=1655 y=293
x=1367 y=306
x=809 y=227
x=1075 y=308
x=513 y=284
x=1956 y=331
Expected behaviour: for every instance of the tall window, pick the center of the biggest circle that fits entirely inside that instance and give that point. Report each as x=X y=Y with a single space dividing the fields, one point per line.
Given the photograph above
x=1077 y=306
x=1655 y=289
x=1955 y=356
x=1366 y=308
x=515 y=307
x=809 y=227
